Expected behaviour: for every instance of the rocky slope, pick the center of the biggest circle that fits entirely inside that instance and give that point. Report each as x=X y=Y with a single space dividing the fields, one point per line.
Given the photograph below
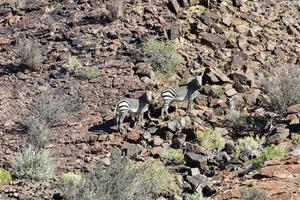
x=233 y=41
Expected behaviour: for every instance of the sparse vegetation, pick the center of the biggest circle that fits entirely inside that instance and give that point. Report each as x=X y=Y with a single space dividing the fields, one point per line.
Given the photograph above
x=30 y=54
x=35 y=164
x=123 y=179
x=75 y=68
x=282 y=88
x=45 y=111
x=268 y=153
x=248 y=143
x=76 y=178
x=163 y=57
x=196 y=196
x=89 y=73
x=296 y=138
x=175 y=155
x=217 y=90
x=73 y=65
x=210 y=139
x=115 y=8
x=235 y=118
x=253 y=194
x=5 y=177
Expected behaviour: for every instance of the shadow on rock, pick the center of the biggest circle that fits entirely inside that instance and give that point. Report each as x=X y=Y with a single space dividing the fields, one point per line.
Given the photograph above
x=105 y=127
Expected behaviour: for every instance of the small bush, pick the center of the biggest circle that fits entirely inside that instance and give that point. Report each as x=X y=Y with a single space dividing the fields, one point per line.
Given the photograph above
x=115 y=8
x=76 y=178
x=253 y=194
x=295 y=138
x=175 y=155
x=35 y=164
x=159 y=179
x=196 y=196
x=30 y=54
x=235 y=118
x=163 y=57
x=73 y=66
x=268 y=153
x=248 y=143
x=89 y=73
x=282 y=88
x=48 y=109
x=123 y=180
x=210 y=139
x=38 y=133
x=5 y=177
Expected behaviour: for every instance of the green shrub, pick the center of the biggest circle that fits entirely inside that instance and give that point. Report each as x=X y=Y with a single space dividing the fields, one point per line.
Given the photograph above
x=73 y=65
x=88 y=73
x=235 y=118
x=30 y=54
x=253 y=194
x=122 y=180
x=295 y=138
x=175 y=155
x=282 y=88
x=5 y=177
x=76 y=178
x=35 y=164
x=75 y=68
x=159 y=179
x=38 y=133
x=45 y=112
x=210 y=139
x=196 y=196
x=268 y=153
x=163 y=57
x=248 y=143
x=115 y=8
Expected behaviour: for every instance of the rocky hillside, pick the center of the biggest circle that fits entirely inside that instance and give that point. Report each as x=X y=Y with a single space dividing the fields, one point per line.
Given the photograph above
x=237 y=43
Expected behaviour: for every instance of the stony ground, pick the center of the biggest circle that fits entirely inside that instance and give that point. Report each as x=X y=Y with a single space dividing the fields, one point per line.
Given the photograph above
x=233 y=41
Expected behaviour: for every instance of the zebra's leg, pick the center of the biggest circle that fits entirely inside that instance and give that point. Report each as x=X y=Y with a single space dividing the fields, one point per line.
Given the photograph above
x=140 y=118
x=121 y=119
x=190 y=106
x=165 y=109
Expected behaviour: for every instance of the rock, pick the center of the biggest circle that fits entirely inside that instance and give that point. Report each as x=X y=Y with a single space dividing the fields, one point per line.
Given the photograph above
x=280 y=134
x=157 y=141
x=252 y=98
x=281 y=171
x=214 y=40
x=173 y=31
x=271 y=46
x=156 y=151
x=229 y=148
x=294 y=109
x=144 y=69
x=196 y=160
x=176 y=197
x=133 y=136
x=242 y=43
x=174 y=6
x=238 y=3
x=183 y=3
x=216 y=75
x=231 y=92
x=195 y=171
x=176 y=125
x=195 y=148
x=178 y=142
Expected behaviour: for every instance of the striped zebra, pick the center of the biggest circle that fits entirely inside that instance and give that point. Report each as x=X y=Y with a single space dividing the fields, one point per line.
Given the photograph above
x=130 y=105
x=187 y=92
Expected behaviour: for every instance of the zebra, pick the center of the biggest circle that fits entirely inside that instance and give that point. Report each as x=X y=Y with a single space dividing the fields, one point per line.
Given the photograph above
x=186 y=92
x=130 y=105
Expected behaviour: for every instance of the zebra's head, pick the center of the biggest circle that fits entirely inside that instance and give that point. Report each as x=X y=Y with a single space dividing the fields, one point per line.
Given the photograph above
x=148 y=95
